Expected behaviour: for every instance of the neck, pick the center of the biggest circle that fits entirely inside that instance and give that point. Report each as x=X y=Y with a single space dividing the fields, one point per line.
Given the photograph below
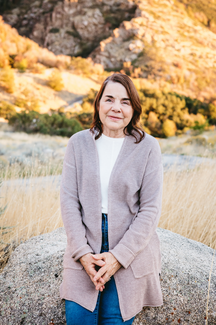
x=113 y=133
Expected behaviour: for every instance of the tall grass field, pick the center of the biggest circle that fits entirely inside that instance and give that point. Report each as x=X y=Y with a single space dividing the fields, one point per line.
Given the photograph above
x=33 y=207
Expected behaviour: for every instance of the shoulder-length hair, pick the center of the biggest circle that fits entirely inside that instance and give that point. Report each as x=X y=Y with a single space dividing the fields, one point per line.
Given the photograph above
x=132 y=128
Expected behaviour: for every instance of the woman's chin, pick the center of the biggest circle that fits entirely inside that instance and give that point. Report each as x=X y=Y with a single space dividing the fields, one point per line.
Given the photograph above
x=113 y=126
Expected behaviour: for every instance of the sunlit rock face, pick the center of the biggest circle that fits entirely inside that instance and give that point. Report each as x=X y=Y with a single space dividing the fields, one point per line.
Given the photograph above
x=151 y=39
x=70 y=27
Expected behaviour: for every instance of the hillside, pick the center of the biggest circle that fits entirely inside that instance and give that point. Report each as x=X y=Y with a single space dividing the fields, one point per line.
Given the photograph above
x=68 y=27
x=26 y=82
x=166 y=45
x=169 y=43
x=168 y=54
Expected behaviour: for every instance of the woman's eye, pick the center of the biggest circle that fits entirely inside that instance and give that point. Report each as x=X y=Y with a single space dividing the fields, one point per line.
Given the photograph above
x=127 y=103
x=108 y=100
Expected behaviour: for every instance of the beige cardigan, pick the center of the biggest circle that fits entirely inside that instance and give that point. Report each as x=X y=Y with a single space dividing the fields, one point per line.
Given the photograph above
x=134 y=207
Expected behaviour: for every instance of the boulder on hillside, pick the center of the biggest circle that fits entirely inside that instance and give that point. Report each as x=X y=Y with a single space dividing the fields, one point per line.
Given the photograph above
x=29 y=284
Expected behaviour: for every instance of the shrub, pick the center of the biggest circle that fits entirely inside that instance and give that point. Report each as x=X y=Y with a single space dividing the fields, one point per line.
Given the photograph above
x=54 y=124
x=3 y=59
x=197 y=140
x=7 y=79
x=183 y=111
x=85 y=119
x=199 y=127
x=81 y=65
x=6 y=109
x=27 y=101
x=38 y=68
x=193 y=120
x=154 y=124
x=169 y=128
x=90 y=97
x=20 y=102
x=212 y=113
x=21 y=65
x=199 y=123
x=87 y=107
x=55 y=80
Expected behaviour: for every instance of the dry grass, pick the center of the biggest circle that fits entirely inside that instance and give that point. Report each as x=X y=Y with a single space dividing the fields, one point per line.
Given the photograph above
x=33 y=208
x=189 y=205
x=35 y=168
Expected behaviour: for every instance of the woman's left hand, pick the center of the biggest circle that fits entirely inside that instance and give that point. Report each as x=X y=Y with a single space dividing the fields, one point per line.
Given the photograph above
x=109 y=269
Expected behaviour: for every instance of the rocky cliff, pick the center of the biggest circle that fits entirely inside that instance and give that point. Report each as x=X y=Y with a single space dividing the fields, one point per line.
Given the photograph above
x=170 y=43
x=69 y=27
x=165 y=43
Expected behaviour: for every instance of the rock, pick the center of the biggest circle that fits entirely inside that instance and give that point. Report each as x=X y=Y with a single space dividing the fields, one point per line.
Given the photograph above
x=29 y=284
x=69 y=27
x=90 y=24
x=201 y=17
x=150 y=34
x=121 y=46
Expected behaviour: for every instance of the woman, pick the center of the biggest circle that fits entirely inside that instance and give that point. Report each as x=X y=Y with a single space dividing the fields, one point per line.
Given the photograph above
x=111 y=203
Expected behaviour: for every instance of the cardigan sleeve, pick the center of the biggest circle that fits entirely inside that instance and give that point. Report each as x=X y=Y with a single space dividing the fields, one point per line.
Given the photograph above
x=145 y=223
x=71 y=208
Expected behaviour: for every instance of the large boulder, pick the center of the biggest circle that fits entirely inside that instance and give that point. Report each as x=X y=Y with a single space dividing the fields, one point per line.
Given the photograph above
x=29 y=284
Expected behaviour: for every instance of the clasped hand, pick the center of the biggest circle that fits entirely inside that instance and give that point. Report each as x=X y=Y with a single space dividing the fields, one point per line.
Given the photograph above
x=108 y=264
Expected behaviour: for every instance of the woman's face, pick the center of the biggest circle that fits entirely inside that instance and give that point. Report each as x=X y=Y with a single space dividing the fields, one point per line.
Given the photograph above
x=115 y=110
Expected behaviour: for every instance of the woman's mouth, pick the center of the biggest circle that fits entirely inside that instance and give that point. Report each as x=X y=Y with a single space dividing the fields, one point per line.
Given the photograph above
x=114 y=118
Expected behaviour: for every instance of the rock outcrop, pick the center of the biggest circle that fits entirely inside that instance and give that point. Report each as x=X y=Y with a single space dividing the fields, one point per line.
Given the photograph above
x=163 y=41
x=70 y=27
x=29 y=284
x=177 y=40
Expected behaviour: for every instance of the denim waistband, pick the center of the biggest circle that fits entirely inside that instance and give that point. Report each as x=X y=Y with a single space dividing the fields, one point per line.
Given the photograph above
x=105 y=243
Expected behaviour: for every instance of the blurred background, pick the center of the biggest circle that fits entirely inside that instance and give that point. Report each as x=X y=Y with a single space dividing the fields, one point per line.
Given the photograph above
x=54 y=55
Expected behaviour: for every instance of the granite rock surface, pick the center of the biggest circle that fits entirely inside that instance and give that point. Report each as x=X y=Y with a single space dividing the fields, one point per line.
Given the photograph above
x=29 y=284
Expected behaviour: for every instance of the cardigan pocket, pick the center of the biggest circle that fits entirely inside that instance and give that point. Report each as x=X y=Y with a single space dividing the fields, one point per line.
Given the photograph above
x=143 y=263
x=69 y=263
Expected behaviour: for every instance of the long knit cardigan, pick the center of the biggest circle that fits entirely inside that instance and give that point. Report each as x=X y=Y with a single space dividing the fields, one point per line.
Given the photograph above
x=134 y=208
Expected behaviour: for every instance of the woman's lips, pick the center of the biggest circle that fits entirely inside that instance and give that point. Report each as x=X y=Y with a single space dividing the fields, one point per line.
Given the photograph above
x=115 y=118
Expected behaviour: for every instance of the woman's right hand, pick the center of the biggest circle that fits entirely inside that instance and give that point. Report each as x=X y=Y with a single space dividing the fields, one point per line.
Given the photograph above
x=89 y=264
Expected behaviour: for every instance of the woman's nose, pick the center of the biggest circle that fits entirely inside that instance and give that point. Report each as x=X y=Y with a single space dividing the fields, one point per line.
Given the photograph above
x=116 y=107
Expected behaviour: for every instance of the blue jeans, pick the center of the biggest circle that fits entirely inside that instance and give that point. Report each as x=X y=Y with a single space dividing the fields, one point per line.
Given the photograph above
x=107 y=310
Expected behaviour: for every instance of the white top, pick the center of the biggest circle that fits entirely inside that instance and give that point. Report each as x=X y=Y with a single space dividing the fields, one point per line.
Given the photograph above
x=108 y=149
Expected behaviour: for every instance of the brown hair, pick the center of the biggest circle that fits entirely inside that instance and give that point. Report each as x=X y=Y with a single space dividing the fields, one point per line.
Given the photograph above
x=132 y=128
